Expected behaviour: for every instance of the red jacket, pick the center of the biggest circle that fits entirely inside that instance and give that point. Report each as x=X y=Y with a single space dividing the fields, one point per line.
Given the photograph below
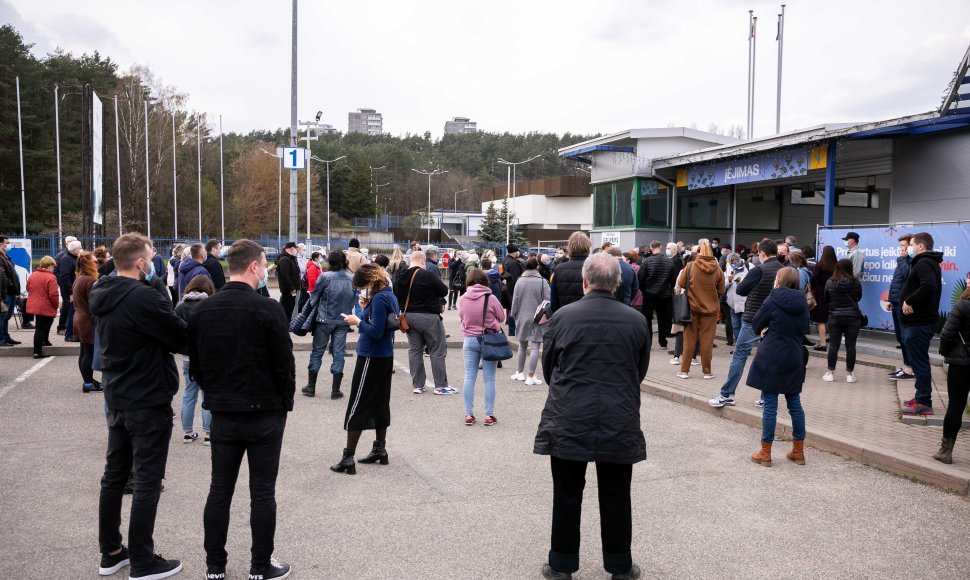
x=43 y=296
x=312 y=273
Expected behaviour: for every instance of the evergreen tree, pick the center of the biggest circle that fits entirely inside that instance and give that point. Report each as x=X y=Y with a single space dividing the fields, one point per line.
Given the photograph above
x=515 y=232
x=492 y=231
x=357 y=199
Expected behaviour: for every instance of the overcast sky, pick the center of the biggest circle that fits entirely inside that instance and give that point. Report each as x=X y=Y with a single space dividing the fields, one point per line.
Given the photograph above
x=525 y=65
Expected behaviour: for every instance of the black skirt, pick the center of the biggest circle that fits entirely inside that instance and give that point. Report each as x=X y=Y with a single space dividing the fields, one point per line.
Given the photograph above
x=369 y=404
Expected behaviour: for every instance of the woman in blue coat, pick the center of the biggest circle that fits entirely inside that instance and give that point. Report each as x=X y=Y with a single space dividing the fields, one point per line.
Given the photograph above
x=779 y=366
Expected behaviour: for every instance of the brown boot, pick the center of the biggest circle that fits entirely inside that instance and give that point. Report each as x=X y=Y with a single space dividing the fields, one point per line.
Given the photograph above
x=797 y=453
x=764 y=456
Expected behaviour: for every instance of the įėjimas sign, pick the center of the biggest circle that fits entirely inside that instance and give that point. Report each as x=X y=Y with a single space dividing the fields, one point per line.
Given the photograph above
x=775 y=165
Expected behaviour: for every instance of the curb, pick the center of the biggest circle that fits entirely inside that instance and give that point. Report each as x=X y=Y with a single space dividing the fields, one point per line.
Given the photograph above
x=927 y=471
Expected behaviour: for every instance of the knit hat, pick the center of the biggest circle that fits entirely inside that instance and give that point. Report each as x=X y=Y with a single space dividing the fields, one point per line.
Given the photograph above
x=511 y=248
x=289 y=245
x=354 y=243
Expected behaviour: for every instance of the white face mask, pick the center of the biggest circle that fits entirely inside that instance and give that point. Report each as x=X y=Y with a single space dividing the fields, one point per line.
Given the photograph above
x=365 y=293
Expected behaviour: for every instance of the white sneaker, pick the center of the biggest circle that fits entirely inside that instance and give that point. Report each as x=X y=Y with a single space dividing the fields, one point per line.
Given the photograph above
x=694 y=363
x=828 y=377
x=683 y=375
x=850 y=378
x=533 y=381
x=721 y=400
x=518 y=377
x=675 y=360
x=760 y=403
x=708 y=376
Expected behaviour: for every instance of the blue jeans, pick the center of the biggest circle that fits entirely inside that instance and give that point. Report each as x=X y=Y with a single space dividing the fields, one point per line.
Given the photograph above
x=916 y=341
x=69 y=331
x=743 y=344
x=189 y=397
x=473 y=353
x=336 y=336
x=736 y=324
x=770 y=415
x=898 y=328
x=5 y=318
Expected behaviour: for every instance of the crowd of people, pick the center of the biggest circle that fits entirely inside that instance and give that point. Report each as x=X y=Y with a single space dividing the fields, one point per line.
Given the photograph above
x=130 y=311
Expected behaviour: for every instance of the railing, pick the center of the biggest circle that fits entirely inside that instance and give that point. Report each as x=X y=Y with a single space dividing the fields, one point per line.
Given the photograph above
x=384 y=222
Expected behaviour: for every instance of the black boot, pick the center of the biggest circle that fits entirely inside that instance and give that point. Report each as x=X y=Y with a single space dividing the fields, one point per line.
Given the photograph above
x=377 y=454
x=310 y=390
x=346 y=463
x=945 y=454
x=335 y=390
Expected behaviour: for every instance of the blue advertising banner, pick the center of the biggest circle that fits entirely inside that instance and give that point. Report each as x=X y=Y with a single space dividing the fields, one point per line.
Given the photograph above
x=880 y=246
x=775 y=165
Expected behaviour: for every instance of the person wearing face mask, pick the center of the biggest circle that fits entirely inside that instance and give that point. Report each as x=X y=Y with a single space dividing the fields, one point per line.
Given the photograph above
x=192 y=267
x=545 y=267
x=657 y=275
x=335 y=293
x=288 y=276
x=313 y=270
x=138 y=332
x=213 y=264
x=858 y=260
x=920 y=298
x=734 y=274
x=241 y=355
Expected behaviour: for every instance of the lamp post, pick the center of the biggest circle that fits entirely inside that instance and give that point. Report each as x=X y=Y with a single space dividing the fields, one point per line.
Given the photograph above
x=175 y=197
x=372 y=170
x=222 y=191
x=377 y=192
x=279 y=215
x=328 y=162
x=508 y=204
x=198 y=148
x=148 y=192
x=430 y=174
x=456 y=198
x=308 y=125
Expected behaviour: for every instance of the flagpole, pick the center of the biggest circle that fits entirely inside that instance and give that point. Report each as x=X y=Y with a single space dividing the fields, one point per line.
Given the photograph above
x=750 y=37
x=57 y=146
x=148 y=191
x=198 y=149
x=175 y=195
x=754 y=60
x=20 y=139
x=118 y=165
x=781 y=42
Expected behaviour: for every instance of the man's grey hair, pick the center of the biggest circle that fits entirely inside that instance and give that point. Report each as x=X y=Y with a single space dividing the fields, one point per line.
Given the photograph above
x=672 y=246
x=68 y=240
x=430 y=251
x=602 y=272
x=615 y=252
x=73 y=246
x=791 y=240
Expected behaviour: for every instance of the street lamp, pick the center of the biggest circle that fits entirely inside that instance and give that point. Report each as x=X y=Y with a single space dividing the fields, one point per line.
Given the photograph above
x=308 y=125
x=456 y=198
x=429 y=174
x=511 y=190
x=279 y=217
x=328 y=162
x=377 y=192
x=372 y=170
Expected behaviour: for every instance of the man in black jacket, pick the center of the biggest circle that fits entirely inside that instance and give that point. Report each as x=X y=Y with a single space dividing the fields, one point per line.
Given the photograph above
x=212 y=265
x=138 y=331
x=66 y=274
x=567 y=282
x=592 y=413
x=512 y=270
x=9 y=291
x=288 y=276
x=920 y=298
x=241 y=354
x=421 y=303
x=65 y=303
x=657 y=284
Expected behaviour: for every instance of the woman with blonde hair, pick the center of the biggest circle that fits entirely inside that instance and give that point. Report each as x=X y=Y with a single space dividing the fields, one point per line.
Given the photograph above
x=87 y=275
x=369 y=404
x=703 y=281
x=43 y=298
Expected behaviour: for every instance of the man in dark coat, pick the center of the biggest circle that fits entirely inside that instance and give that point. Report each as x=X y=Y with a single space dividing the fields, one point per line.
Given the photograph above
x=66 y=274
x=192 y=267
x=657 y=284
x=288 y=277
x=512 y=270
x=900 y=274
x=212 y=264
x=592 y=413
x=65 y=302
x=567 y=282
x=241 y=354
x=920 y=298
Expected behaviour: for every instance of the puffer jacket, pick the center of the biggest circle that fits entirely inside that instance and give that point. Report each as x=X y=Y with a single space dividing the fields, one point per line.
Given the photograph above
x=899 y=278
x=843 y=298
x=42 y=293
x=657 y=274
x=567 y=283
x=957 y=325
x=706 y=285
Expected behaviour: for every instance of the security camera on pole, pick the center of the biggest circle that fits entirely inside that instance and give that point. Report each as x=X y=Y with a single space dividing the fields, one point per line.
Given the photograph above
x=511 y=192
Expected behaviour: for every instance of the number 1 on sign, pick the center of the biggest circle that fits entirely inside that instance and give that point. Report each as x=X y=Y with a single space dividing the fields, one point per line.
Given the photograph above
x=293 y=155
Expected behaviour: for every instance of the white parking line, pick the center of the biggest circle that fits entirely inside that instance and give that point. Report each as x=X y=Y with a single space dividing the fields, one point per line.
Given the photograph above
x=25 y=376
x=428 y=384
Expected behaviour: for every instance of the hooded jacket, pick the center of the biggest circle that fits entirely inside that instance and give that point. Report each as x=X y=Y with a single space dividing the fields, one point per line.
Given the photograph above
x=843 y=298
x=214 y=267
x=470 y=308
x=42 y=295
x=922 y=289
x=354 y=259
x=957 y=326
x=706 y=285
x=189 y=269
x=779 y=365
x=138 y=331
x=495 y=282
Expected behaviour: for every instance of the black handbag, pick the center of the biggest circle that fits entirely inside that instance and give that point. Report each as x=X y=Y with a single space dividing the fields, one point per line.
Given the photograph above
x=302 y=323
x=495 y=345
x=681 y=304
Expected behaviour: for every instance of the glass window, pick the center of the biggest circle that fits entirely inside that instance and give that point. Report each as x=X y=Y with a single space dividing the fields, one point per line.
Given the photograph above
x=654 y=204
x=852 y=192
x=759 y=209
x=808 y=194
x=624 y=205
x=603 y=206
x=704 y=210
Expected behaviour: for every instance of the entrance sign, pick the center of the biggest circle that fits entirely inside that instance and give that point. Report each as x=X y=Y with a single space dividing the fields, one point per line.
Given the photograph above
x=880 y=246
x=294 y=158
x=97 y=165
x=611 y=237
x=775 y=165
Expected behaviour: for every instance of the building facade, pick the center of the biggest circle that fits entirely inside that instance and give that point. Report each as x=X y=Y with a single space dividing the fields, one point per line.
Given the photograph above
x=546 y=210
x=460 y=126
x=367 y=121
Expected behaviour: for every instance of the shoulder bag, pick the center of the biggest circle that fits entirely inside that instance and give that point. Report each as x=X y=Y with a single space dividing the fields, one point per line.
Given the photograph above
x=542 y=313
x=302 y=323
x=495 y=345
x=681 y=303
x=403 y=325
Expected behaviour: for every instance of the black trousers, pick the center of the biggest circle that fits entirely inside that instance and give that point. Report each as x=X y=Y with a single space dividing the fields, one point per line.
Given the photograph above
x=65 y=304
x=260 y=437
x=837 y=328
x=138 y=446
x=42 y=332
x=616 y=523
x=84 y=360
x=957 y=389
x=304 y=296
x=728 y=324
x=288 y=301
x=453 y=295
x=664 y=308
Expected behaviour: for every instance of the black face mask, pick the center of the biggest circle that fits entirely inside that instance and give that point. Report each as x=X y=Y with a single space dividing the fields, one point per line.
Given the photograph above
x=782 y=259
